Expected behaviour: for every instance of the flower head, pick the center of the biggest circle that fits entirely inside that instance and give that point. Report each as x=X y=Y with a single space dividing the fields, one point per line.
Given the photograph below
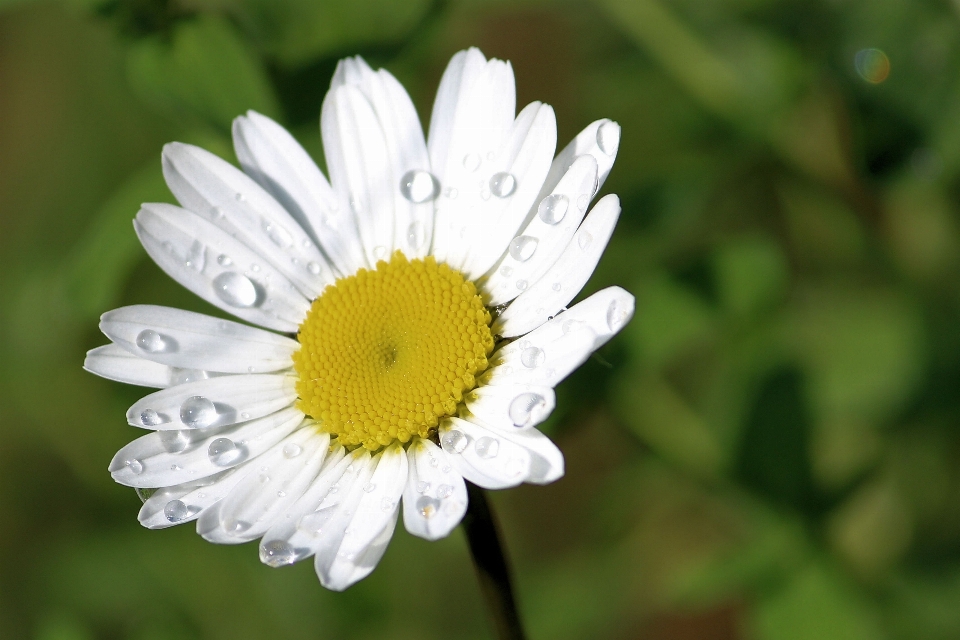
x=416 y=304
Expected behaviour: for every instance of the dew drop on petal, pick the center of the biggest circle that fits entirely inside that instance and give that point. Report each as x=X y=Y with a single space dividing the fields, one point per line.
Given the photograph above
x=521 y=284
x=313 y=268
x=314 y=522
x=556 y=286
x=503 y=184
x=553 y=208
x=523 y=408
x=152 y=342
x=616 y=316
x=291 y=450
x=455 y=441
x=584 y=239
x=196 y=256
x=223 y=452
x=174 y=441
x=198 y=412
x=487 y=447
x=506 y=270
x=277 y=553
x=471 y=161
x=277 y=234
x=150 y=418
x=419 y=186
x=135 y=466
x=369 y=487
x=423 y=487
x=182 y=376
x=522 y=248
x=571 y=325
x=444 y=491
x=532 y=357
x=235 y=289
x=386 y=504
x=582 y=201
x=427 y=506
x=175 y=511
x=451 y=193
x=608 y=137
x=379 y=252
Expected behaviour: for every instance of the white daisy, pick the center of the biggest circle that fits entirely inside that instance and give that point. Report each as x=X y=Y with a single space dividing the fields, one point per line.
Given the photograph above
x=416 y=303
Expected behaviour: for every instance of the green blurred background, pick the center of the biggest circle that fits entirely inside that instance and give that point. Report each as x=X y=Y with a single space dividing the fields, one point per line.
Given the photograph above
x=770 y=450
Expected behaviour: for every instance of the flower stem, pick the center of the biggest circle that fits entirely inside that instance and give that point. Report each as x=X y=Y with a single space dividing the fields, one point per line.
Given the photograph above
x=491 y=564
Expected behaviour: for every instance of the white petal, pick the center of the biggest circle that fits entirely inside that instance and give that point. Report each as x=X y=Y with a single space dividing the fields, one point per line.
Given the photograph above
x=281 y=477
x=216 y=402
x=360 y=168
x=228 y=198
x=371 y=524
x=272 y=157
x=168 y=458
x=539 y=244
x=296 y=535
x=539 y=358
x=522 y=164
x=546 y=460
x=219 y=268
x=406 y=151
x=435 y=497
x=564 y=280
x=482 y=456
x=604 y=313
x=601 y=139
x=511 y=407
x=196 y=341
x=472 y=118
x=115 y=363
x=185 y=502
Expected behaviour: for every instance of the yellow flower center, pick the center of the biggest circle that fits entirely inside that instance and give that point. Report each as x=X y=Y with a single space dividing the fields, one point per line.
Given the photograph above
x=386 y=353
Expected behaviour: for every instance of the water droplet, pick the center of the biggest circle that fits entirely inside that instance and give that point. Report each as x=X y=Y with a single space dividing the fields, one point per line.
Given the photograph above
x=427 y=506
x=571 y=325
x=277 y=553
x=244 y=415
x=313 y=268
x=263 y=478
x=196 y=256
x=236 y=526
x=281 y=494
x=369 y=487
x=525 y=408
x=153 y=342
x=314 y=522
x=521 y=284
x=277 y=234
x=445 y=468
x=223 y=452
x=532 y=357
x=487 y=447
x=379 y=252
x=135 y=466
x=198 y=412
x=423 y=487
x=484 y=194
x=444 y=491
x=174 y=441
x=255 y=268
x=150 y=418
x=582 y=201
x=616 y=316
x=523 y=247
x=451 y=193
x=608 y=137
x=175 y=511
x=386 y=504
x=235 y=289
x=506 y=270
x=556 y=286
x=419 y=186
x=182 y=376
x=416 y=235
x=471 y=161
x=175 y=467
x=239 y=197
x=292 y=450
x=434 y=462
x=219 y=213
x=584 y=239
x=553 y=208
x=455 y=441
x=503 y=184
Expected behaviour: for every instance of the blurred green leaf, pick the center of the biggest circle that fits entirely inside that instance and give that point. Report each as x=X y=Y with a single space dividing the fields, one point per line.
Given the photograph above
x=205 y=71
x=670 y=318
x=751 y=275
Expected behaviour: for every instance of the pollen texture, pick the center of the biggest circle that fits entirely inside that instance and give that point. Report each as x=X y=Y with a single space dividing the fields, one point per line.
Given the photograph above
x=386 y=353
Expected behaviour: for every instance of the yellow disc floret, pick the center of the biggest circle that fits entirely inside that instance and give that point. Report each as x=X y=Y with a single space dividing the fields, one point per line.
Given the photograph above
x=386 y=353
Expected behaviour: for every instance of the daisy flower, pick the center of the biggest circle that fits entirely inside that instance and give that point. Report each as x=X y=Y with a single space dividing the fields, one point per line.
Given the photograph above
x=413 y=314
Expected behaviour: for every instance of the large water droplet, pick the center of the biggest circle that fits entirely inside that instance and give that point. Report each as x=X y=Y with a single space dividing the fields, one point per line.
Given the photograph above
x=175 y=511
x=503 y=184
x=223 y=452
x=608 y=137
x=135 y=466
x=277 y=234
x=150 y=418
x=553 y=208
x=455 y=441
x=292 y=450
x=235 y=289
x=532 y=357
x=153 y=342
x=525 y=408
x=416 y=235
x=419 y=186
x=471 y=161
x=584 y=239
x=523 y=247
x=198 y=412
x=487 y=447
x=174 y=441
x=277 y=553
x=427 y=506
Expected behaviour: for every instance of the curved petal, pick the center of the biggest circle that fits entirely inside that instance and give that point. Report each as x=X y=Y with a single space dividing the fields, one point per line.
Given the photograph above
x=511 y=407
x=482 y=456
x=215 y=402
x=219 y=268
x=539 y=244
x=165 y=459
x=539 y=359
x=435 y=498
x=186 y=502
x=600 y=139
x=196 y=341
x=116 y=363
x=564 y=280
x=605 y=313
x=272 y=157
x=228 y=198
